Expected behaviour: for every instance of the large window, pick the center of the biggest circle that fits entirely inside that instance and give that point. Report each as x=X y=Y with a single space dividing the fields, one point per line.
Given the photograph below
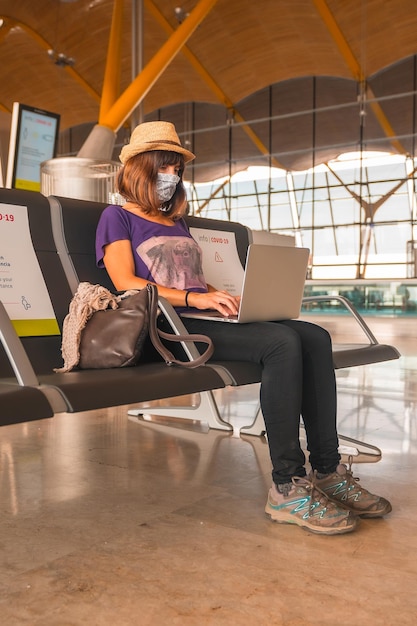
x=357 y=213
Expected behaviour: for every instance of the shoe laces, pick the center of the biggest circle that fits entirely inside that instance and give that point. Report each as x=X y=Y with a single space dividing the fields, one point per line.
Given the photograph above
x=347 y=482
x=351 y=480
x=317 y=495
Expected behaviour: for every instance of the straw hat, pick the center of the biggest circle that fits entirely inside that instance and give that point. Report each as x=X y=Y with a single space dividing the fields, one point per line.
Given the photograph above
x=154 y=136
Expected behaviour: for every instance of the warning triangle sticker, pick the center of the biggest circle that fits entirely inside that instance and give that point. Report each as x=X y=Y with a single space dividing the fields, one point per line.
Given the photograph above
x=218 y=258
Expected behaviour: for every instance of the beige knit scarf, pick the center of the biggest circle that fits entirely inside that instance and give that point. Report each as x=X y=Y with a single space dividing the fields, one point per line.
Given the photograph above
x=86 y=301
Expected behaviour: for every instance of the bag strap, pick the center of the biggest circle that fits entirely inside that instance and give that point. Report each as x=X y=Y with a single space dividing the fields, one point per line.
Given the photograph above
x=155 y=333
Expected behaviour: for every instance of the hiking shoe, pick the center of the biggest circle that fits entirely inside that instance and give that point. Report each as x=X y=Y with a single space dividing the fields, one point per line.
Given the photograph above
x=308 y=507
x=344 y=489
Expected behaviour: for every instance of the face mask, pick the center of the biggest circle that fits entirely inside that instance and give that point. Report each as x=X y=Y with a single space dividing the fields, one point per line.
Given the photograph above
x=166 y=185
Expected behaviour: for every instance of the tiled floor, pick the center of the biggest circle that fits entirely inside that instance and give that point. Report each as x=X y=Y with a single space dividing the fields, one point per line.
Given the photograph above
x=108 y=522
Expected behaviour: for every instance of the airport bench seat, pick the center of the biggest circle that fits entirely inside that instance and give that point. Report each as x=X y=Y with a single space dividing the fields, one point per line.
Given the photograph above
x=63 y=235
x=76 y=248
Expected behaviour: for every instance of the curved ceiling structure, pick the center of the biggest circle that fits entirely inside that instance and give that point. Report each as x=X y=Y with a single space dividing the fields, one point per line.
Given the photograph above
x=283 y=82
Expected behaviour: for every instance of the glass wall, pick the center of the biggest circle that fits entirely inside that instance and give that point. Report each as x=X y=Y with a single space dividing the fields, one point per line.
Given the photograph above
x=356 y=213
x=326 y=159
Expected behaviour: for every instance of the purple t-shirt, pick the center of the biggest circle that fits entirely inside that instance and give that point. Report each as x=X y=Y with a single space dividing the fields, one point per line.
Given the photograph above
x=166 y=255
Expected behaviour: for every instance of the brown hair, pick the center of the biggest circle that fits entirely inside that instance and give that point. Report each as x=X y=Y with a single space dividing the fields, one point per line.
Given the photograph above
x=136 y=182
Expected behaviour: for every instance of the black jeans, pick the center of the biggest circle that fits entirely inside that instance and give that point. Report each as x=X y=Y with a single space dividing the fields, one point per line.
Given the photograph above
x=297 y=379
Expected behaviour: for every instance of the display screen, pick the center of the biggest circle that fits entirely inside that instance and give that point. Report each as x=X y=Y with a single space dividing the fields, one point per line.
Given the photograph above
x=33 y=139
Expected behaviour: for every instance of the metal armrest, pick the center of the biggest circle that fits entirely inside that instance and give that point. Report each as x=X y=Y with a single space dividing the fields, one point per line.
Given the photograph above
x=349 y=306
x=18 y=358
x=178 y=327
x=189 y=347
x=22 y=367
x=206 y=409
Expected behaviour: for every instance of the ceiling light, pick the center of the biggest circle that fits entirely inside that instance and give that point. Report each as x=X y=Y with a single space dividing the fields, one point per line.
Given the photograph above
x=60 y=59
x=180 y=14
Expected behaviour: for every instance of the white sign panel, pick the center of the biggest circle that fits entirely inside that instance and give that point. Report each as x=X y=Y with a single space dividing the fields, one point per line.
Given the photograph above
x=221 y=264
x=22 y=286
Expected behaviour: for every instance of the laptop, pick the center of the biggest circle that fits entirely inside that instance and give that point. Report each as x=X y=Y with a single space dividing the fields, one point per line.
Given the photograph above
x=273 y=286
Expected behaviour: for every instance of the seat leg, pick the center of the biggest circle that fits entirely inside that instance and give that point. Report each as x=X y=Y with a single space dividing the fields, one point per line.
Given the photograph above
x=359 y=450
x=257 y=427
x=204 y=411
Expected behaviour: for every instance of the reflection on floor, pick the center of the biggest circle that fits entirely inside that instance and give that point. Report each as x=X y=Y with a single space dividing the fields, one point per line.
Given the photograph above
x=106 y=521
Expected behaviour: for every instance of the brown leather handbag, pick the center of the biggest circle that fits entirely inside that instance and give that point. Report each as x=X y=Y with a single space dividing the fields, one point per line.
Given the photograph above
x=114 y=337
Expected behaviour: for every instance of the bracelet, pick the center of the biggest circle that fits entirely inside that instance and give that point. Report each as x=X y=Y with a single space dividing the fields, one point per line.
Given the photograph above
x=187 y=293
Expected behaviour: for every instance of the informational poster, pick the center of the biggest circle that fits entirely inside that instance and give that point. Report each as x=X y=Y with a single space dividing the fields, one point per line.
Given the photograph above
x=33 y=139
x=22 y=287
x=221 y=264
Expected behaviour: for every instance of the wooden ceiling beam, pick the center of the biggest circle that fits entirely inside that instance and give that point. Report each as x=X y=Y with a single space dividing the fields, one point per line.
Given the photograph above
x=111 y=82
x=137 y=90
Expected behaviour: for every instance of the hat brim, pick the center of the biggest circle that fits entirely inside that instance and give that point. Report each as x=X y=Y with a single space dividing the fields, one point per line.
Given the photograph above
x=130 y=151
